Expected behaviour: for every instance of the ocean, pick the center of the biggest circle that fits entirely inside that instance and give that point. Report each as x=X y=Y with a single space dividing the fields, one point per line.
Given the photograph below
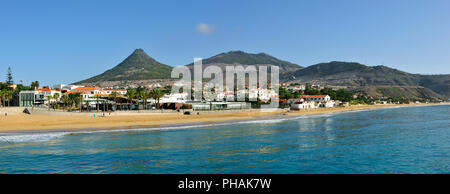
x=391 y=140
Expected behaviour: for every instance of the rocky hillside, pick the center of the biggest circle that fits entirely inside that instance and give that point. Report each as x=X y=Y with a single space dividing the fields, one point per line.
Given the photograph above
x=338 y=73
x=137 y=66
x=234 y=58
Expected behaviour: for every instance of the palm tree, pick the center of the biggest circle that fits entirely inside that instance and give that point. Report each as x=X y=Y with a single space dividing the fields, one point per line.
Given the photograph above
x=156 y=94
x=145 y=96
x=97 y=98
x=75 y=98
x=64 y=99
x=71 y=100
x=56 y=97
x=2 y=97
x=80 y=100
x=130 y=95
x=87 y=106
x=114 y=95
x=9 y=96
x=48 y=99
x=139 y=91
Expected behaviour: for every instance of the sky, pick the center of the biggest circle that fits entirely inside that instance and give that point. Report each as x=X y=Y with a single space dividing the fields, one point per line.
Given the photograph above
x=67 y=41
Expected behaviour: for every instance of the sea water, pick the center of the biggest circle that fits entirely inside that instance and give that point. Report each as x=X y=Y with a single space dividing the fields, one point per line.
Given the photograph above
x=391 y=140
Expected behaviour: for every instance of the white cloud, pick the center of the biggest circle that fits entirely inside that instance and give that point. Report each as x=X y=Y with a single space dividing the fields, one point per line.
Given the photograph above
x=205 y=29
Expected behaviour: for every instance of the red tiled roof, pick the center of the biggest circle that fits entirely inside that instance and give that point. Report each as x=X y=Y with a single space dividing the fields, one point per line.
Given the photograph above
x=75 y=92
x=45 y=89
x=86 y=88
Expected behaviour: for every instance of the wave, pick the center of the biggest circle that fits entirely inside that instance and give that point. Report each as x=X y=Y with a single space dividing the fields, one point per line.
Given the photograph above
x=40 y=137
x=262 y=121
x=37 y=137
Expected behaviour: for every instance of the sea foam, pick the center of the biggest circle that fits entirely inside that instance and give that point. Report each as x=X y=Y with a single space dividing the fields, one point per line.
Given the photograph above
x=40 y=137
x=35 y=137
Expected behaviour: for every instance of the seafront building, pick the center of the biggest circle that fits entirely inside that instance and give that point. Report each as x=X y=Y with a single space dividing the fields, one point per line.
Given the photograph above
x=316 y=98
x=311 y=101
x=65 y=88
x=218 y=105
x=94 y=96
x=38 y=97
x=109 y=91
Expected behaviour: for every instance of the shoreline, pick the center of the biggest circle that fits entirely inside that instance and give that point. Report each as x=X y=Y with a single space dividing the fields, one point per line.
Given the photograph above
x=44 y=123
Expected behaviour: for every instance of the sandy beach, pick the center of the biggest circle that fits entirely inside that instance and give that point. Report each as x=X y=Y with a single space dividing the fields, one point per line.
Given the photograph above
x=42 y=122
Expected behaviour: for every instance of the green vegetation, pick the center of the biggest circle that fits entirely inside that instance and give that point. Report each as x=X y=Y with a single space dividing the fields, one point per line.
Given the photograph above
x=9 y=77
x=342 y=95
x=34 y=85
x=338 y=73
x=6 y=97
x=244 y=58
x=137 y=66
x=157 y=94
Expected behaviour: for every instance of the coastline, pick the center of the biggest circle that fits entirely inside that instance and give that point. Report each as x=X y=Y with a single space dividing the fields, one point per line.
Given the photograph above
x=83 y=122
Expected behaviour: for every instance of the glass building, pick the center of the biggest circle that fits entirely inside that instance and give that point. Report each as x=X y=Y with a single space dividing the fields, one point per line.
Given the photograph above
x=26 y=98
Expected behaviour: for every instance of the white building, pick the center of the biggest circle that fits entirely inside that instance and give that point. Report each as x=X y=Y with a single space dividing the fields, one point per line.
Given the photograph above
x=41 y=96
x=108 y=91
x=302 y=104
x=267 y=94
x=326 y=104
x=64 y=87
x=316 y=98
x=173 y=98
x=311 y=101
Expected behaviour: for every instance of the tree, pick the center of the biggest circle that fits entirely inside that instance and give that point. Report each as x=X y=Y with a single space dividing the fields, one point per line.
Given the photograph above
x=145 y=96
x=75 y=98
x=139 y=93
x=131 y=93
x=285 y=94
x=80 y=100
x=114 y=95
x=34 y=85
x=9 y=77
x=97 y=98
x=56 y=97
x=156 y=94
x=9 y=96
x=64 y=99
x=2 y=97
x=87 y=106
x=48 y=99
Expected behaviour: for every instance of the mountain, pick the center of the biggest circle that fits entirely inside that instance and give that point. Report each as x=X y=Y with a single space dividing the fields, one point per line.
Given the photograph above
x=137 y=66
x=140 y=69
x=372 y=79
x=245 y=59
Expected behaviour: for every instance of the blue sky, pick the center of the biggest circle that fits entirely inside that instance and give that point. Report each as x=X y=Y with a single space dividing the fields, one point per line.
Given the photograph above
x=67 y=41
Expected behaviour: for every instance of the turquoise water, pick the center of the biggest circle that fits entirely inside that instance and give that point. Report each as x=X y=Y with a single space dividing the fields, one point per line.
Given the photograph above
x=393 y=140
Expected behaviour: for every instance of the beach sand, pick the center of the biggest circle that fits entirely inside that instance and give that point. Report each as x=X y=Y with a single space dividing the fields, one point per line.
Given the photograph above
x=43 y=122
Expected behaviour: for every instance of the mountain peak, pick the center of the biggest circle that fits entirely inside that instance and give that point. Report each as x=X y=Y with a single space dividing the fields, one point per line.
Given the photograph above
x=239 y=52
x=139 y=51
x=137 y=66
x=243 y=58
